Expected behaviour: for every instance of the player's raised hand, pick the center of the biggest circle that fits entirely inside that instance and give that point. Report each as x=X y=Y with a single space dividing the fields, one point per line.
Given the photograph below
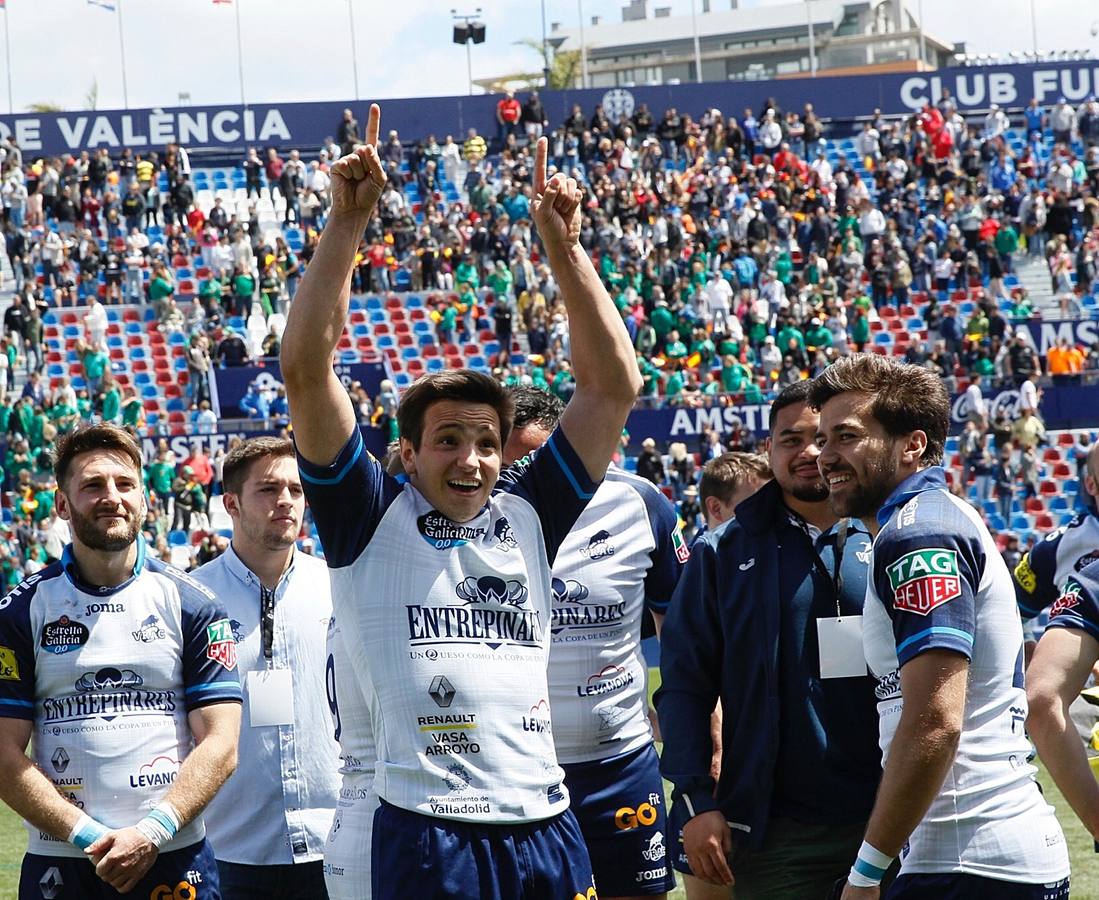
x=555 y=204
x=358 y=179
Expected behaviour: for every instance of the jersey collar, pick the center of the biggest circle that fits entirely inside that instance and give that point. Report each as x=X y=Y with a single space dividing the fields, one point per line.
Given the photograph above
x=236 y=565
x=930 y=479
x=68 y=565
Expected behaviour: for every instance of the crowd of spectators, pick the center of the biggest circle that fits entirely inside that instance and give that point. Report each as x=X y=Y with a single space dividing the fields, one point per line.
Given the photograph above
x=743 y=251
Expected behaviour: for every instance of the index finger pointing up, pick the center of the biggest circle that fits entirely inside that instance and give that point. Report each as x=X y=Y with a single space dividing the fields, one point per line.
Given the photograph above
x=540 y=152
x=373 y=124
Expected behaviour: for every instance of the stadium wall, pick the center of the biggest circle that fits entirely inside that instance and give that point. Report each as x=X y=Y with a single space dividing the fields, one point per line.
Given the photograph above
x=305 y=125
x=1071 y=406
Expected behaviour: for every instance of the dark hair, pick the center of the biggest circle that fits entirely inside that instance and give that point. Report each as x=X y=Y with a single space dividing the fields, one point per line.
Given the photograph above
x=906 y=398
x=722 y=476
x=798 y=392
x=533 y=406
x=463 y=385
x=101 y=437
x=234 y=470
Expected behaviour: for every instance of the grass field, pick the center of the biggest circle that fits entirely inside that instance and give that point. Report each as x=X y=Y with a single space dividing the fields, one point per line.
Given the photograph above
x=1085 y=861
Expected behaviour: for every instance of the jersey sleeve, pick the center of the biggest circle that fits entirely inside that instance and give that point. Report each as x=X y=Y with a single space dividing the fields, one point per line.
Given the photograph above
x=16 y=655
x=348 y=499
x=1035 y=576
x=927 y=575
x=555 y=482
x=1078 y=606
x=209 y=650
x=669 y=553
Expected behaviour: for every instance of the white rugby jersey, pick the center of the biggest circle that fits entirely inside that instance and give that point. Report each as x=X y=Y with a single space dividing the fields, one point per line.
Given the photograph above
x=1041 y=574
x=446 y=626
x=347 y=851
x=939 y=582
x=108 y=676
x=625 y=551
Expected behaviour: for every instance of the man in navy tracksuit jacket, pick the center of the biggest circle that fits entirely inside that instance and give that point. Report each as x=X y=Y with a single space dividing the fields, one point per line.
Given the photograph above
x=800 y=757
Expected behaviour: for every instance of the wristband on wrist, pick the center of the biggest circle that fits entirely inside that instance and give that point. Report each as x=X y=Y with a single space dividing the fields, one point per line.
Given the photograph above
x=86 y=832
x=160 y=825
x=870 y=867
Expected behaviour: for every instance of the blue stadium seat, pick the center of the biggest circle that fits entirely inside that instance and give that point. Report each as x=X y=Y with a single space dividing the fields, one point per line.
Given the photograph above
x=175 y=404
x=177 y=538
x=374 y=302
x=434 y=364
x=995 y=522
x=142 y=378
x=402 y=379
x=150 y=392
x=1020 y=523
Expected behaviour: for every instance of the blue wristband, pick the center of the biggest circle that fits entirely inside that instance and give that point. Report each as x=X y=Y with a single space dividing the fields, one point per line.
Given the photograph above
x=86 y=832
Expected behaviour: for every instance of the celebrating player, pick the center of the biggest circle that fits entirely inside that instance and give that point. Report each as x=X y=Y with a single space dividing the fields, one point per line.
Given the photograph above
x=441 y=585
x=958 y=800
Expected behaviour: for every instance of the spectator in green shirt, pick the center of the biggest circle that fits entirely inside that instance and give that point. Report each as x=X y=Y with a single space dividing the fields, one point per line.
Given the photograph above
x=788 y=331
x=160 y=286
x=244 y=289
x=675 y=350
x=112 y=400
x=817 y=336
x=466 y=273
x=94 y=362
x=132 y=410
x=500 y=279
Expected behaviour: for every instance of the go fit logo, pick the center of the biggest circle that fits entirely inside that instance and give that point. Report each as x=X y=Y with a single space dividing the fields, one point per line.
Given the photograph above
x=628 y=818
x=589 y=894
x=182 y=891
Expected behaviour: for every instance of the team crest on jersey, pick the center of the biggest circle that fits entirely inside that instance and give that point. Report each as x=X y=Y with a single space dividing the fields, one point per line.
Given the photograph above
x=9 y=665
x=1025 y=576
x=457 y=777
x=108 y=679
x=150 y=631
x=441 y=533
x=1086 y=560
x=492 y=589
x=1070 y=597
x=682 y=551
x=924 y=580
x=220 y=646
x=504 y=535
x=64 y=635
x=599 y=546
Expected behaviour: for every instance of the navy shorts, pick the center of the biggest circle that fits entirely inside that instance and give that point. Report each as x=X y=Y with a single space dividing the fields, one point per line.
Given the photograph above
x=420 y=856
x=972 y=887
x=619 y=803
x=187 y=874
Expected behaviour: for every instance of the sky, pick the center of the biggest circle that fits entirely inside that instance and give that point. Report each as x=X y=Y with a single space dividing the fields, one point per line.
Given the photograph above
x=295 y=50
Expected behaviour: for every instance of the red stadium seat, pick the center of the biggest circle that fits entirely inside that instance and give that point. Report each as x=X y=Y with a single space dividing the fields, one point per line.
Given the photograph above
x=1049 y=489
x=1043 y=522
x=1062 y=470
x=1066 y=439
x=1034 y=505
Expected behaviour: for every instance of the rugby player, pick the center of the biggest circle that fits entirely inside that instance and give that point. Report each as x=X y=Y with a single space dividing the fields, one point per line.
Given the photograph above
x=123 y=670
x=1042 y=573
x=441 y=583
x=958 y=800
x=1063 y=660
x=623 y=557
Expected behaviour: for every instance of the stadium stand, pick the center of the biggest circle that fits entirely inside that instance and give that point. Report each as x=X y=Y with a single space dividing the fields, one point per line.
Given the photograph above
x=738 y=267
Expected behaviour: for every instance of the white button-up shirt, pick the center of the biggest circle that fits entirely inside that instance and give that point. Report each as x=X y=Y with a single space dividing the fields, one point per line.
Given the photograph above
x=278 y=805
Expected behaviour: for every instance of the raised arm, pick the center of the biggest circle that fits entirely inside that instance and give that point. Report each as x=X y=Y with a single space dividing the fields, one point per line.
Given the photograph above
x=603 y=362
x=320 y=410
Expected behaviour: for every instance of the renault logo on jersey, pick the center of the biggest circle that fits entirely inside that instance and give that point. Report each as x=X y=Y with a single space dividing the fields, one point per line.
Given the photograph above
x=571 y=609
x=441 y=691
x=59 y=760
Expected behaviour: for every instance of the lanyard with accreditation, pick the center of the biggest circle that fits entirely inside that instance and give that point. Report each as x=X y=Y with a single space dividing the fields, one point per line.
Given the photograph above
x=839 y=638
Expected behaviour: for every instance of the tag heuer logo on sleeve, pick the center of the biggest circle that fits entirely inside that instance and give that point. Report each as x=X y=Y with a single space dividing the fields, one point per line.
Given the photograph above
x=682 y=551
x=924 y=579
x=220 y=645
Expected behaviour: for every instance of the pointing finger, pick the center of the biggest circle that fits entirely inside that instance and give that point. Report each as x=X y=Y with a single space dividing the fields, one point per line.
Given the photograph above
x=373 y=164
x=373 y=124
x=540 y=152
